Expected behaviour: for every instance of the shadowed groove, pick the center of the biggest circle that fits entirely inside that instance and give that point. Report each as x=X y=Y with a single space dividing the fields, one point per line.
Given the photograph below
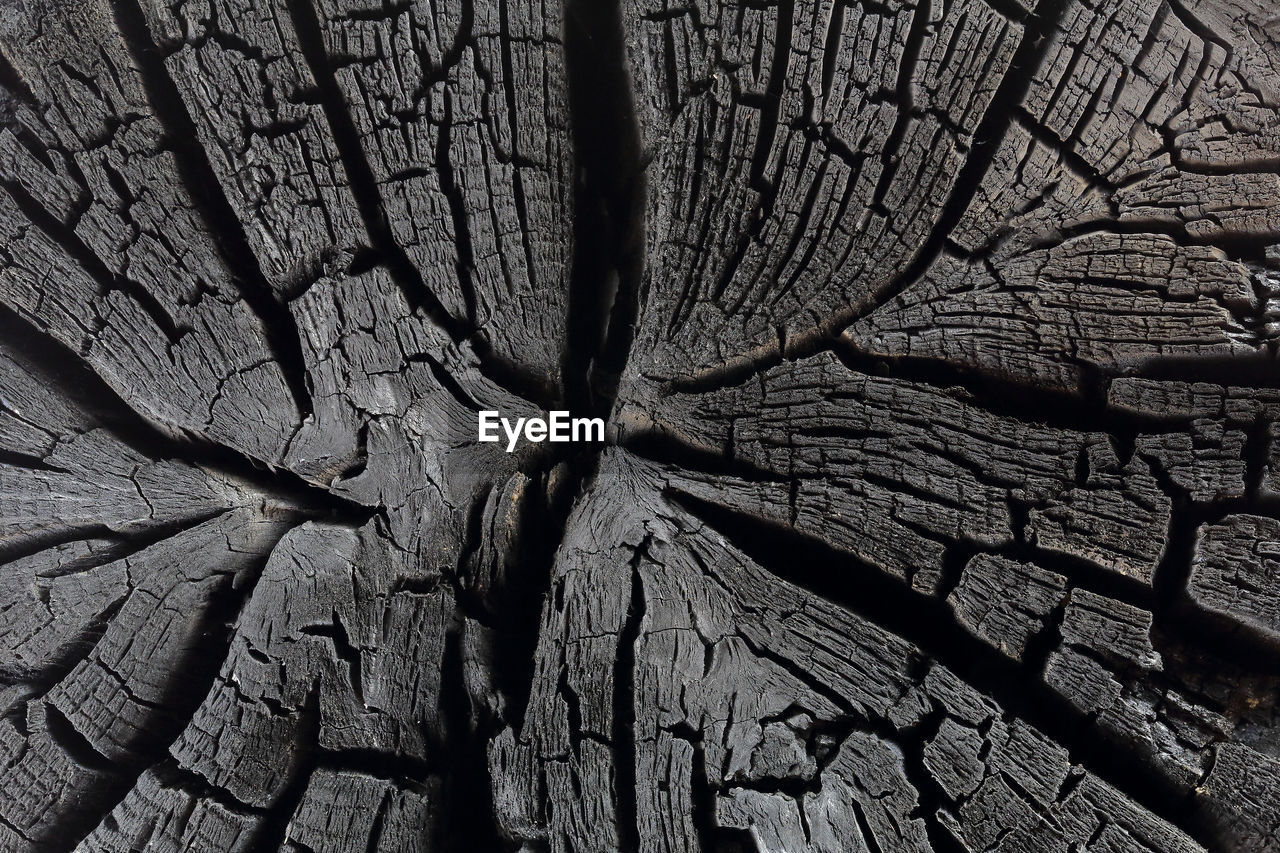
x=279 y=328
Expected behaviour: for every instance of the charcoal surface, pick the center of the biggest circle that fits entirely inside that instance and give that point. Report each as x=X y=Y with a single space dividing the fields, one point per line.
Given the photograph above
x=938 y=509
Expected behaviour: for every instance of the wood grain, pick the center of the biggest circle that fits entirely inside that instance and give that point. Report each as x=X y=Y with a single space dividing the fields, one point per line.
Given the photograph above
x=939 y=507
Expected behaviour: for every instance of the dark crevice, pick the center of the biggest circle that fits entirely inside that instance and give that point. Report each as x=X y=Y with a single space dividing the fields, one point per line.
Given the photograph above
x=469 y=567
x=469 y=818
x=1174 y=570
x=1257 y=457
x=190 y=681
x=863 y=826
x=1200 y=29
x=702 y=794
x=104 y=278
x=609 y=205
x=831 y=47
x=764 y=185
x=403 y=770
x=933 y=801
x=447 y=381
x=196 y=668
x=336 y=632
x=506 y=605
x=172 y=775
x=53 y=667
x=667 y=448
x=59 y=367
x=368 y=199
x=32 y=543
x=272 y=831
x=73 y=743
x=892 y=152
x=457 y=211
x=573 y=708
x=624 y=711
x=510 y=604
x=56 y=666
x=1080 y=572
x=1082 y=410
x=1259 y=370
x=1237 y=246
x=15 y=459
x=603 y=306
x=375 y=831
x=1011 y=9
x=784 y=20
x=517 y=177
x=1177 y=616
x=741 y=368
x=929 y=624
x=1042 y=643
x=13 y=91
x=17 y=109
x=201 y=182
x=360 y=177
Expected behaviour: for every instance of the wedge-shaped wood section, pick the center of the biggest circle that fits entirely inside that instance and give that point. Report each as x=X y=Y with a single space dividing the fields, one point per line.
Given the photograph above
x=826 y=139
x=939 y=505
x=1122 y=219
x=672 y=660
x=897 y=472
x=107 y=251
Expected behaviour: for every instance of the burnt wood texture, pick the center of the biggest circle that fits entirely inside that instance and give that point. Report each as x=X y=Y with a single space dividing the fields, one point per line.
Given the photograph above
x=939 y=508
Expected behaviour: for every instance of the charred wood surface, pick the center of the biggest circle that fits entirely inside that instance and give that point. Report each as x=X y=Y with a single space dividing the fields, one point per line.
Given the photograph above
x=939 y=505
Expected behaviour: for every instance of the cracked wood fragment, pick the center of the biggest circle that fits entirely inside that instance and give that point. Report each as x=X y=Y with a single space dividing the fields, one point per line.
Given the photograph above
x=1007 y=604
x=893 y=471
x=1234 y=568
x=826 y=140
x=107 y=252
x=675 y=597
x=1113 y=171
x=108 y=685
